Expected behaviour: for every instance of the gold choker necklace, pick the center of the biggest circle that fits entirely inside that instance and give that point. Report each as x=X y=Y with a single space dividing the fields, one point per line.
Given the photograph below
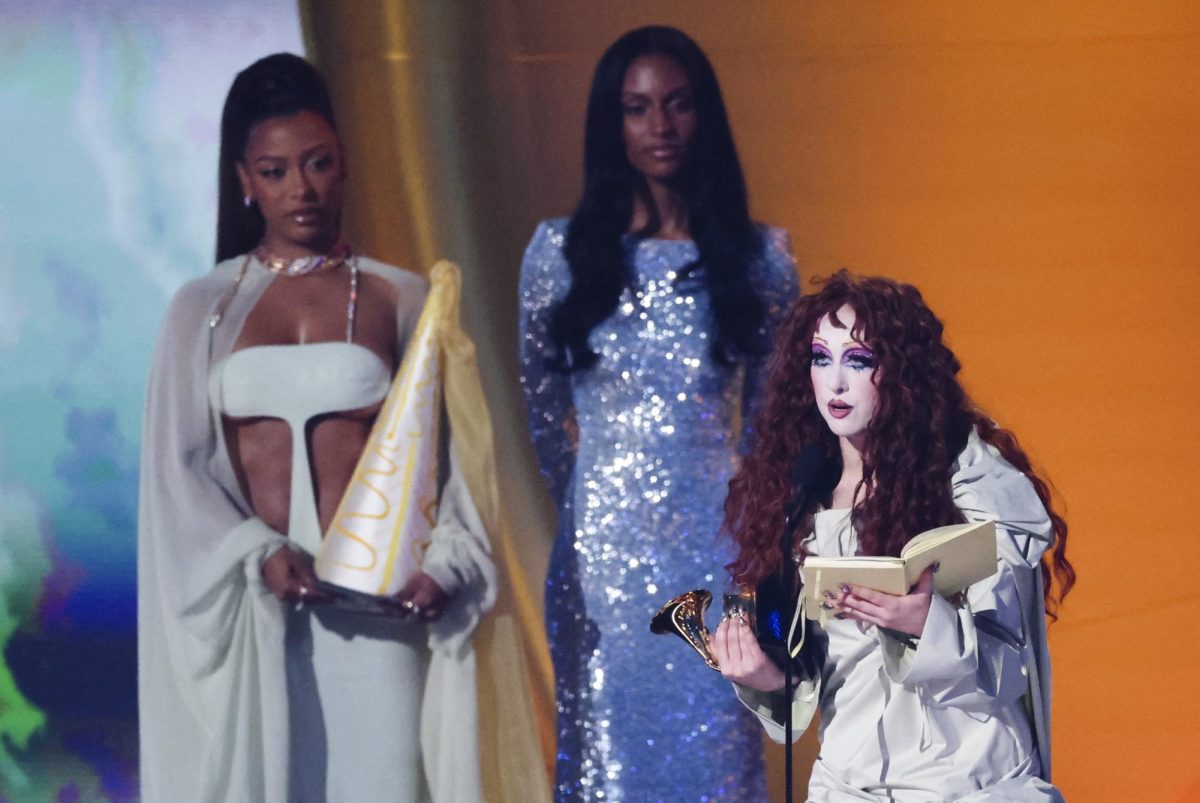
x=303 y=266
x=340 y=256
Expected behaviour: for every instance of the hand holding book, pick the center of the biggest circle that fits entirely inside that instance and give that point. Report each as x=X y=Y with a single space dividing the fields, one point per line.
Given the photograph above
x=965 y=554
x=905 y=613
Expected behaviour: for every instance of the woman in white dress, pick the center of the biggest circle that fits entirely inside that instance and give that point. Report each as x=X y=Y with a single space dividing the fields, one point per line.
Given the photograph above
x=268 y=376
x=921 y=698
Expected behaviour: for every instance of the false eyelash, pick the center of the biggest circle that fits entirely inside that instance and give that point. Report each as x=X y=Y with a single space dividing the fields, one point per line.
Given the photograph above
x=860 y=359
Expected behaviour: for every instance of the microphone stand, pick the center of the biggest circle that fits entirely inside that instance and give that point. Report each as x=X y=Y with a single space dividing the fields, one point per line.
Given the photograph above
x=790 y=523
x=808 y=479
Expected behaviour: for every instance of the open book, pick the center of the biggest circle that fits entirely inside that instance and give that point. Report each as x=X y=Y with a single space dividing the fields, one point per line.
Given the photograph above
x=966 y=554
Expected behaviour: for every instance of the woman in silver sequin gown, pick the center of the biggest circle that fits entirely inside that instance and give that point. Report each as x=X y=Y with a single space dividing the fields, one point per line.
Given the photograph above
x=645 y=319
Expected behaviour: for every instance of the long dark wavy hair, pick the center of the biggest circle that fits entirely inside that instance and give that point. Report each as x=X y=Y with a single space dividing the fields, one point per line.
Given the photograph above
x=913 y=440
x=718 y=211
x=276 y=86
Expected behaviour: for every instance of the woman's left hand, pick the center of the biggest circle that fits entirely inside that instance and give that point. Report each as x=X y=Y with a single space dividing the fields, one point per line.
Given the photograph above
x=906 y=614
x=422 y=597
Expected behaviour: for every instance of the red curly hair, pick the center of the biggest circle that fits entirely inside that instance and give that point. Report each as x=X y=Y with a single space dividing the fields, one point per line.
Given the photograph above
x=913 y=440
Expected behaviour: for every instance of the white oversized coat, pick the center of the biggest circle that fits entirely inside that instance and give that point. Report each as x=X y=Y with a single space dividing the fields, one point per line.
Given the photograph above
x=961 y=713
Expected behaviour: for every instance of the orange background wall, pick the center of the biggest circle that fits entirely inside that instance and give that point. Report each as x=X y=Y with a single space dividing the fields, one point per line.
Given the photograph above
x=1032 y=166
x=1035 y=169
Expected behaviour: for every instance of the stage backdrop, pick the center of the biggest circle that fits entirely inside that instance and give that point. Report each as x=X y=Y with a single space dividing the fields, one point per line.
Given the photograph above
x=109 y=116
x=1033 y=167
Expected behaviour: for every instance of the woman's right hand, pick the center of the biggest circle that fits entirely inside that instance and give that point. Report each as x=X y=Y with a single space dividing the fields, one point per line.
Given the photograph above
x=742 y=660
x=290 y=577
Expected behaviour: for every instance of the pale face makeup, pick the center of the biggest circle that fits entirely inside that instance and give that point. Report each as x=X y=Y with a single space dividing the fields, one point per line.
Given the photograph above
x=843 y=373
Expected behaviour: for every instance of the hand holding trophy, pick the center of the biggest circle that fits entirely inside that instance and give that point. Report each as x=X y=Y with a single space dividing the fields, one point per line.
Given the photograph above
x=765 y=610
x=684 y=616
x=772 y=609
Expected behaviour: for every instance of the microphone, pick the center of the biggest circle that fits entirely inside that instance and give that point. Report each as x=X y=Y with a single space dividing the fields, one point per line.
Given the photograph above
x=775 y=596
x=808 y=474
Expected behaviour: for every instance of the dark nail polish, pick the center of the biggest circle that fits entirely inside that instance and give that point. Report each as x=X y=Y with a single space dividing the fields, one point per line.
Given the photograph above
x=829 y=595
x=845 y=588
x=826 y=606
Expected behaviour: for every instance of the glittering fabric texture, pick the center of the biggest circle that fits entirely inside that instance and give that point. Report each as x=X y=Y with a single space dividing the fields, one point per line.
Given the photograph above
x=640 y=717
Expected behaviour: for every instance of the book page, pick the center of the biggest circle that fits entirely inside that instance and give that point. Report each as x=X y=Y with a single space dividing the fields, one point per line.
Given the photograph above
x=966 y=554
x=937 y=536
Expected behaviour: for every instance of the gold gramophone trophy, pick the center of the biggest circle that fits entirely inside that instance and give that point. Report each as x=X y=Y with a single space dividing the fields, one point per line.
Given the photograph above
x=684 y=616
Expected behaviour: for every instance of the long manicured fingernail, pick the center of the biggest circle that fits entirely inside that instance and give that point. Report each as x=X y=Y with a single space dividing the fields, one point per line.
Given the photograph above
x=845 y=588
x=839 y=616
x=829 y=595
x=827 y=606
x=937 y=566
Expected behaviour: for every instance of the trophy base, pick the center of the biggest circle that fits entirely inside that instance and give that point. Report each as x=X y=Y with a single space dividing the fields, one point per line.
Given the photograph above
x=360 y=602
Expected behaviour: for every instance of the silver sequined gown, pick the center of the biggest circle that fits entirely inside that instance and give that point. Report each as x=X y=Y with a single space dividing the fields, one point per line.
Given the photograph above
x=640 y=718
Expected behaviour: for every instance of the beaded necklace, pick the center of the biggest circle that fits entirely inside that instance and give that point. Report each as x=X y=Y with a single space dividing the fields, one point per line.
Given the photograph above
x=304 y=266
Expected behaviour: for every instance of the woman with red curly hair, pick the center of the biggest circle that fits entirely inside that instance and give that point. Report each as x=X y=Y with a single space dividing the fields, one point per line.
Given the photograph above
x=921 y=698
